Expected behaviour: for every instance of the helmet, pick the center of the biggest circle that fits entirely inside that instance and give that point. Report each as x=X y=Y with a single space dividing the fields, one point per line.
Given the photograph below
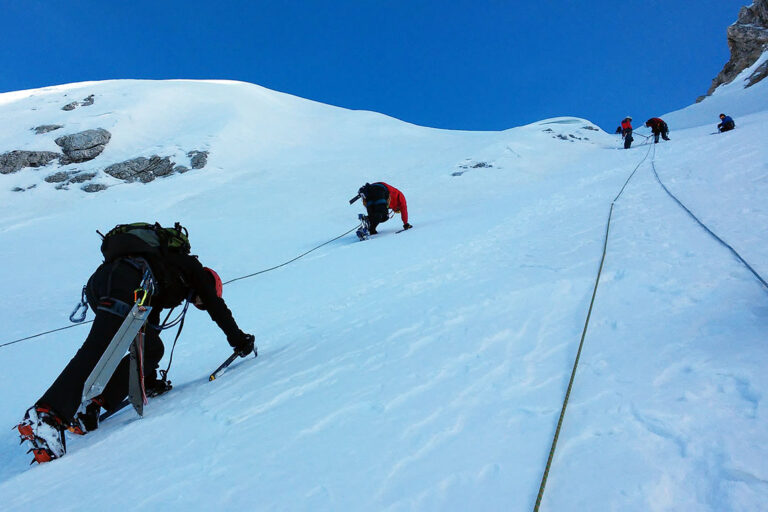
x=216 y=281
x=628 y=118
x=217 y=284
x=722 y=116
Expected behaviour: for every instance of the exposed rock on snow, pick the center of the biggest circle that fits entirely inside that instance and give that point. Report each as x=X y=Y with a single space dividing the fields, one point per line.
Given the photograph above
x=82 y=177
x=470 y=164
x=141 y=168
x=67 y=177
x=84 y=103
x=60 y=176
x=22 y=189
x=747 y=40
x=94 y=187
x=45 y=128
x=16 y=160
x=83 y=146
x=198 y=159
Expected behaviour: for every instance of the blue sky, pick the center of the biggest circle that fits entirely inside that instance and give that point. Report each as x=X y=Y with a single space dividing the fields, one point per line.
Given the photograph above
x=476 y=65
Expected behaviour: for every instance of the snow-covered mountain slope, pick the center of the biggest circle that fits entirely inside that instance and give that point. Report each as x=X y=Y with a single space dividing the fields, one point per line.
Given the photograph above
x=416 y=371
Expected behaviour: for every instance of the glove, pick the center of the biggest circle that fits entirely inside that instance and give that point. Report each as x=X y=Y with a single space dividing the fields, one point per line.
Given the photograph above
x=244 y=345
x=407 y=226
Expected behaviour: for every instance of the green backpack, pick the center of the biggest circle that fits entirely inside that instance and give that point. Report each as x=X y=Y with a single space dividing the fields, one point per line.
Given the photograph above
x=144 y=239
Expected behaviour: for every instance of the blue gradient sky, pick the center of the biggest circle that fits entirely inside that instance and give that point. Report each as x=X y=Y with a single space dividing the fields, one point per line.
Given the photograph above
x=476 y=65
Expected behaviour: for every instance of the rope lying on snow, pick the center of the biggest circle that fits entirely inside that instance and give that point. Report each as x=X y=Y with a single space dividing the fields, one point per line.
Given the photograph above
x=689 y=212
x=581 y=343
x=226 y=282
x=594 y=292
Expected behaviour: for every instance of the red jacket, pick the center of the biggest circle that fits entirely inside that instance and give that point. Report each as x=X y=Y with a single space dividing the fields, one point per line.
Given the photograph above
x=655 y=124
x=397 y=202
x=626 y=124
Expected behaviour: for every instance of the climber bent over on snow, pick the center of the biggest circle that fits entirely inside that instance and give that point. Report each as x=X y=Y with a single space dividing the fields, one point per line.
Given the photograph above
x=378 y=199
x=177 y=276
x=658 y=127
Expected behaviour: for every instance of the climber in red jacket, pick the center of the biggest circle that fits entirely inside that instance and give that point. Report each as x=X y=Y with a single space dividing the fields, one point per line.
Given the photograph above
x=658 y=127
x=378 y=199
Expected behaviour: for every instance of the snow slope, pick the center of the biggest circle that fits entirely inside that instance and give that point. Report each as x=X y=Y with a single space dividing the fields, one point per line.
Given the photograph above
x=416 y=371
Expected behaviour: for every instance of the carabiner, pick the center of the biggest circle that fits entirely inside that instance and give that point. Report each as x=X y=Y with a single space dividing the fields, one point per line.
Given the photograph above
x=82 y=304
x=140 y=292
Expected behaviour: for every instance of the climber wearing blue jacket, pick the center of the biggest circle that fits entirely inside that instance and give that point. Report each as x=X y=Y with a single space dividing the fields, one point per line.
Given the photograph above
x=726 y=123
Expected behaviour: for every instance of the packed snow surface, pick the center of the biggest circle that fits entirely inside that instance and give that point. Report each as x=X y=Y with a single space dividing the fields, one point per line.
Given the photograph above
x=424 y=370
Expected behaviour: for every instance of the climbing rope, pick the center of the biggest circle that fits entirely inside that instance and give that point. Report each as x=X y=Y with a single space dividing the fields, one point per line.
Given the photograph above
x=689 y=212
x=294 y=259
x=177 y=320
x=581 y=342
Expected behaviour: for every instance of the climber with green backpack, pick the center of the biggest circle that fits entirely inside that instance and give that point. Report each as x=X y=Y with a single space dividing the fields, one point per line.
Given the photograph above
x=143 y=264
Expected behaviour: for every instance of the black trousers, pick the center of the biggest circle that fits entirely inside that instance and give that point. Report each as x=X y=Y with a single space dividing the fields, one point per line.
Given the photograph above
x=115 y=280
x=377 y=214
x=656 y=136
x=725 y=127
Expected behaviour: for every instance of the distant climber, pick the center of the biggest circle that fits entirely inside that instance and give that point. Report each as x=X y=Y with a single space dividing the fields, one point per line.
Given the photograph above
x=139 y=259
x=726 y=123
x=378 y=199
x=625 y=129
x=658 y=127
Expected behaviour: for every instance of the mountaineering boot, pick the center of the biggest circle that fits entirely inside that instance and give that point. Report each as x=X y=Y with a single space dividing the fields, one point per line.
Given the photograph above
x=45 y=432
x=157 y=387
x=363 y=232
x=87 y=417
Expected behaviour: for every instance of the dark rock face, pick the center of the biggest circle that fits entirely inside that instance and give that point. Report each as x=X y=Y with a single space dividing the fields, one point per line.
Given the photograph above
x=141 y=169
x=45 y=128
x=14 y=161
x=83 y=146
x=198 y=159
x=747 y=40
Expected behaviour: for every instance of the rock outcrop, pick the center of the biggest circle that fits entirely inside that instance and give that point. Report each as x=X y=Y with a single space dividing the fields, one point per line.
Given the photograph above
x=85 y=102
x=198 y=159
x=747 y=40
x=94 y=187
x=45 y=128
x=67 y=177
x=83 y=146
x=14 y=161
x=141 y=169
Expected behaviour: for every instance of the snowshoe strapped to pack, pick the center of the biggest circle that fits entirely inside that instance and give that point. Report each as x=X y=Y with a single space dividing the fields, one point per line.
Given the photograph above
x=143 y=238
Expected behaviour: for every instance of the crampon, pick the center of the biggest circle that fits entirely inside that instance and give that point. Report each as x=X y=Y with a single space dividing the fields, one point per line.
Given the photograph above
x=45 y=433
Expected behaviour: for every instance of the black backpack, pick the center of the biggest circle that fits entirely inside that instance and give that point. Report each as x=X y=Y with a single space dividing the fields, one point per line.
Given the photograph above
x=144 y=239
